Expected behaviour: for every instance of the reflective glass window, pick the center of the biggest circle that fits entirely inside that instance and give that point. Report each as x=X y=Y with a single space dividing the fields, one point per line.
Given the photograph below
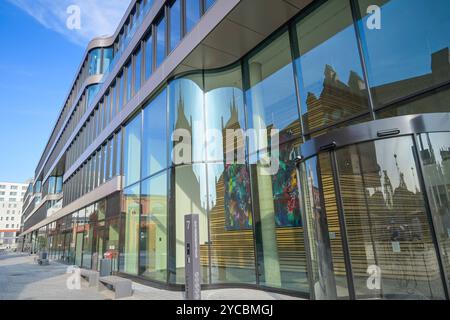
x=160 y=41
x=148 y=56
x=108 y=54
x=137 y=64
x=129 y=92
x=128 y=262
x=132 y=151
x=193 y=14
x=331 y=82
x=208 y=4
x=434 y=150
x=225 y=118
x=153 y=224
x=175 y=24
x=272 y=98
x=121 y=87
x=187 y=120
x=231 y=224
x=154 y=148
x=118 y=153
x=406 y=50
x=191 y=197
x=95 y=62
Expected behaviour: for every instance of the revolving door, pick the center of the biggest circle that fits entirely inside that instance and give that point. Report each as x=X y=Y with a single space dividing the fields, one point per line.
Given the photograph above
x=375 y=203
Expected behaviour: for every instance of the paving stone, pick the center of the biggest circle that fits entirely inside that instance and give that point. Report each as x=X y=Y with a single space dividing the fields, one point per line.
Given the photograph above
x=22 y=279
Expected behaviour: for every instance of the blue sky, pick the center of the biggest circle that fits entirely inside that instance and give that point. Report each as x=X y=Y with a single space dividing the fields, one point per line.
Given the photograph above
x=37 y=66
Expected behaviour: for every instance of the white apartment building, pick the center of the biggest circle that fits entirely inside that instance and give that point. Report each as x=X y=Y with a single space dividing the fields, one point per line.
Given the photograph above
x=11 y=201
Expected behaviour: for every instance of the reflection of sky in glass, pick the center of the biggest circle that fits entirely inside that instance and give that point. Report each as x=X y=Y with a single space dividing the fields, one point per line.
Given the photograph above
x=155 y=143
x=411 y=31
x=278 y=98
x=439 y=141
x=402 y=147
x=192 y=96
x=218 y=113
x=192 y=13
x=175 y=27
x=339 y=51
x=161 y=41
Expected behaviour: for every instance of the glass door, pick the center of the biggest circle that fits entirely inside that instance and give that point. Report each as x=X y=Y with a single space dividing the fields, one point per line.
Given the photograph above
x=389 y=235
x=434 y=151
x=376 y=214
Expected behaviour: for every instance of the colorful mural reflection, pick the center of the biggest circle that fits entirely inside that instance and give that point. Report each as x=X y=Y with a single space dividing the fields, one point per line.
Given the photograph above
x=285 y=191
x=238 y=214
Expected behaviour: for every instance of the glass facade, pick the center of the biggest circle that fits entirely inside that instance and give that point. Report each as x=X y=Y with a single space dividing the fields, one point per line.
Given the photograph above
x=410 y=59
x=175 y=24
x=208 y=141
x=160 y=41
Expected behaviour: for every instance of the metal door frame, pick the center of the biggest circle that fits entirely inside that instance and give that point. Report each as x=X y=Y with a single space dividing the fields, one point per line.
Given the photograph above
x=410 y=125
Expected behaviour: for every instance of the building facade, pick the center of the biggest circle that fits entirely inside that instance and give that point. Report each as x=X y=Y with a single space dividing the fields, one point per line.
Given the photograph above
x=11 y=196
x=311 y=137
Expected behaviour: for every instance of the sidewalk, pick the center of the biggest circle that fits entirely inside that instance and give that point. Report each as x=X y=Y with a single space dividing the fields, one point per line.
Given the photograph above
x=22 y=279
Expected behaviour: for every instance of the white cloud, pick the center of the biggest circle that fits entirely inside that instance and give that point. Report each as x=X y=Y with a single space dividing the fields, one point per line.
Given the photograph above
x=98 y=17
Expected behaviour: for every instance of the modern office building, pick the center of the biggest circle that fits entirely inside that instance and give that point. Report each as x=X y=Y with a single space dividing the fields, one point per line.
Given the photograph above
x=11 y=196
x=190 y=106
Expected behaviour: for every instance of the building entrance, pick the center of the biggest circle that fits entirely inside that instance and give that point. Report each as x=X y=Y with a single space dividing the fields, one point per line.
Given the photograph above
x=375 y=205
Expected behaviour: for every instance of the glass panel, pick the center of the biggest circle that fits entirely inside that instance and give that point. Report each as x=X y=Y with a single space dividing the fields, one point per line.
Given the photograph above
x=119 y=153
x=224 y=100
x=272 y=98
x=88 y=238
x=130 y=230
x=132 y=151
x=129 y=92
x=282 y=261
x=327 y=182
x=153 y=233
x=192 y=14
x=121 y=84
x=435 y=101
x=208 y=4
x=160 y=41
x=410 y=50
x=148 y=56
x=101 y=209
x=389 y=236
x=107 y=58
x=191 y=197
x=79 y=247
x=112 y=242
x=137 y=76
x=187 y=119
x=95 y=62
x=175 y=24
x=434 y=150
x=154 y=149
x=111 y=158
x=331 y=82
x=231 y=224
x=113 y=101
x=322 y=276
